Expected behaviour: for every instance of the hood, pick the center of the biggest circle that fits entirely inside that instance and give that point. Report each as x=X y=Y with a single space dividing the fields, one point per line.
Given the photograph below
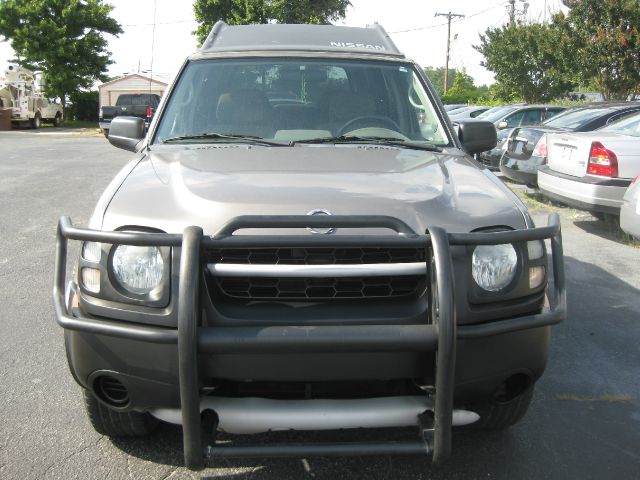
x=176 y=186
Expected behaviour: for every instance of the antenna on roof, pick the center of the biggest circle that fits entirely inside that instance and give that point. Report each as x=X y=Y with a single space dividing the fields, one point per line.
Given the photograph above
x=153 y=42
x=211 y=38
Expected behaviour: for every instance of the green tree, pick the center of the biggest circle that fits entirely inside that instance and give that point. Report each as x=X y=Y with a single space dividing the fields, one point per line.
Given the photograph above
x=604 y=38
x=436 y=75
x=243 y=12
x=63 y=38
x=530 y=61
x=84 y=105
x=463 y=90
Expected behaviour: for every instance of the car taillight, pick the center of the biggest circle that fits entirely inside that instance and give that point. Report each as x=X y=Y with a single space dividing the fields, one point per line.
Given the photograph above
x=149 y=112
x=602 y=161
x=540 y=149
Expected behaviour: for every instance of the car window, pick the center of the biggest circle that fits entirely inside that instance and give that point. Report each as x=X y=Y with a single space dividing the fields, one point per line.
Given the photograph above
x=621 y=115
x=124 y=100
x=532 y=116
x=297 y=99
x=476 y=113
x=627 y=126
x=496 y=113
x=551 y=112
x=515 y=119
x=575 y=118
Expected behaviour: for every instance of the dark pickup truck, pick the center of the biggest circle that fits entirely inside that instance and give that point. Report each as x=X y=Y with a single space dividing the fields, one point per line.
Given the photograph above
x=141 y=105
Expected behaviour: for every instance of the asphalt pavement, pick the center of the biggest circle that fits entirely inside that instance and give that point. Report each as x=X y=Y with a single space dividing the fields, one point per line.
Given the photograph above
x=584 y=422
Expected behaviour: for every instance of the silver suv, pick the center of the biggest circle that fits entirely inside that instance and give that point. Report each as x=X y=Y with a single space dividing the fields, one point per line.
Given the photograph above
x=303 y=241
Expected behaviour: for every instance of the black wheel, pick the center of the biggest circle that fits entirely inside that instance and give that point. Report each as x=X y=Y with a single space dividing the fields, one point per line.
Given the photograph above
x=106 y=132
x=35 y=121
x=57 y=120
x=499 y=415
x=117 y=424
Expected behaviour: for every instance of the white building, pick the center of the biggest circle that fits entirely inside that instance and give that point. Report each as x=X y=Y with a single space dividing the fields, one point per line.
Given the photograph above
x=132 y=83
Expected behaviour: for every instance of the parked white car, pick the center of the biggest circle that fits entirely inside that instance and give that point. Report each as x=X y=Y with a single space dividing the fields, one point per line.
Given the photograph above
x=630 y=211
x=592 y=170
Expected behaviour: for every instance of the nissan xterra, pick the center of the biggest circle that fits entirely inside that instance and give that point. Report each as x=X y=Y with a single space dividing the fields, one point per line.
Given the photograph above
x=303 y=242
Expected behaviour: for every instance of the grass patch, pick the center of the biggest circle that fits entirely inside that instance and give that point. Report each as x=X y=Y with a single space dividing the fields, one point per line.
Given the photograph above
x=590 y=398
x=537 y=200
x=607 y=227
x=80 y=124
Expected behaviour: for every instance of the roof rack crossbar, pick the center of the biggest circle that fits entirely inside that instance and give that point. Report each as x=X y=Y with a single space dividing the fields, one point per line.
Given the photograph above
x=211 y=38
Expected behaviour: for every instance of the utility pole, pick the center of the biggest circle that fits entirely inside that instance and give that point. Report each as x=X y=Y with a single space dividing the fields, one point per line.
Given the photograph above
x=512 y=12
x=446 y=63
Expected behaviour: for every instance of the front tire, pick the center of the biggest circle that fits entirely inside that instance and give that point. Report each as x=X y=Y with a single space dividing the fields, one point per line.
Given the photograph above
x=117 y=424
x=35 y=121
x=57 y=120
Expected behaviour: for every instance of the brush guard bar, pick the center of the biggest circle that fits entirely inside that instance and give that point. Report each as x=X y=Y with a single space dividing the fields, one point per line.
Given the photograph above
x=437 y=334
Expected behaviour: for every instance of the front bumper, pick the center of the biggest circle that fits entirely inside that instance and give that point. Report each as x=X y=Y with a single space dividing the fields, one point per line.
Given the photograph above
x=630 y=213
x=521 y=171
x=438 y=335
x=590 y=193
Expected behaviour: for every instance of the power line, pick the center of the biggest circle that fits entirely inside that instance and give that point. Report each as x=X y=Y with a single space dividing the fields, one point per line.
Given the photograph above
x=428 y=27
x=157 y=23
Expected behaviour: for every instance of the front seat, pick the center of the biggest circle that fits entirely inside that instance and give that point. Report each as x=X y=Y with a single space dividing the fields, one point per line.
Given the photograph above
x=245 y=112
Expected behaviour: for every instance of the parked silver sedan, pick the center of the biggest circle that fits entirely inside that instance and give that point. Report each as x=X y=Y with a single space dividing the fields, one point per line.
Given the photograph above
x=592 y=170
x=630 y=210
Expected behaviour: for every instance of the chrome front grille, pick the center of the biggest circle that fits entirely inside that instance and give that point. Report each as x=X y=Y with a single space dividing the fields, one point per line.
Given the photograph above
x=317 y=273
x=315 y=256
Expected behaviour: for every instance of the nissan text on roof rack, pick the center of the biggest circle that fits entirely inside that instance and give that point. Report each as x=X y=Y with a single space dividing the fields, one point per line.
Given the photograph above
x=302 y=242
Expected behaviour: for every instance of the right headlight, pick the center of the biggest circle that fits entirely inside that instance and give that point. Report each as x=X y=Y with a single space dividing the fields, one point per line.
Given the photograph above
x=494 y=266
x=138 y=270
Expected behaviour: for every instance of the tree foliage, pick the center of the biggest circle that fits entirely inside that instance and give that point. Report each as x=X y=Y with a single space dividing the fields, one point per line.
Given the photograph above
x=463 y=90
x=604 y=37
x=243 y=12
x=529 y=61
x=63 y=38
x=436 y=75
x=84 y=105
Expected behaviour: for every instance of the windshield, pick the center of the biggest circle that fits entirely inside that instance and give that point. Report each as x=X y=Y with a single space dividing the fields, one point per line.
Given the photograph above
x=574 y=119
x=293 y=100
x=496 y=113
x=627 y=126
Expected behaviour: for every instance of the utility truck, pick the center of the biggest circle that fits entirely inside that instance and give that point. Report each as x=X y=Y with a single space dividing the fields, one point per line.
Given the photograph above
x=21 y=91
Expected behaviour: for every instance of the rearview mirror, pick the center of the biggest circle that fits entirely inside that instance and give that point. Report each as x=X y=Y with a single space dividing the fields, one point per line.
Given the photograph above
x=477 y=136
x=503 y=124
x=126 y=132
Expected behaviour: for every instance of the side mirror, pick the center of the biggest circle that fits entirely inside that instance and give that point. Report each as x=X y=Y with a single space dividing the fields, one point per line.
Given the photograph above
x=126 y=132
x=477 y=136
x=503 y=124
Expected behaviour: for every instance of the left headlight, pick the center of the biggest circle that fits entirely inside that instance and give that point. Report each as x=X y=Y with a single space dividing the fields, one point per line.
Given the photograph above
x=494 y=266
x=138 y=270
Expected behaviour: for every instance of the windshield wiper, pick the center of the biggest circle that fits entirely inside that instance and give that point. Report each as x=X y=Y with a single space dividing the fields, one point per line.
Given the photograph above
x=229 y=137
x=391 y=141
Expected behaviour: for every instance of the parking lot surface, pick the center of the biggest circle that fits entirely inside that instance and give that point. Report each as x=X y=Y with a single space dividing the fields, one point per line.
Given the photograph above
x=584 y=422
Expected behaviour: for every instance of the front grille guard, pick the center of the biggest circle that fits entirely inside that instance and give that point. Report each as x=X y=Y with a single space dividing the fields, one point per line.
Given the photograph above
x=438 y=333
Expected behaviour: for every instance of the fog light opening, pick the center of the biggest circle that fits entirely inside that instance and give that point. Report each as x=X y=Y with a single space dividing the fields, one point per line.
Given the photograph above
x=111 y=391
x=512 y=387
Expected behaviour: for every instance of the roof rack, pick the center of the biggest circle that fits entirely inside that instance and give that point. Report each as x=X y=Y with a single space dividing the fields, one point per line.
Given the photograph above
x=372 y=40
